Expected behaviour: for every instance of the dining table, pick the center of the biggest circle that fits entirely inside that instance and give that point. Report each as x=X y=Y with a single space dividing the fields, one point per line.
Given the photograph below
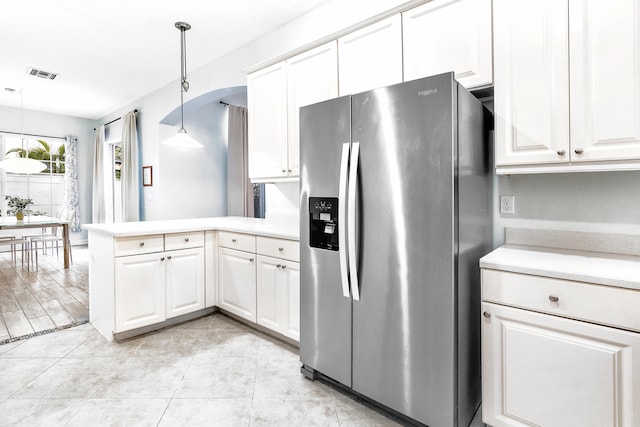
x=41 y=221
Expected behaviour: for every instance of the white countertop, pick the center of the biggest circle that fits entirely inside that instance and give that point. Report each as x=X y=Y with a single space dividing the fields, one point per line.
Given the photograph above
x=255 y=226
x=578 y=265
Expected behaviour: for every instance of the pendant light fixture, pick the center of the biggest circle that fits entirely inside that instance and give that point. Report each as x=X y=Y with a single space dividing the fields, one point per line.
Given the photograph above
x=182 y=139
x=23 y=165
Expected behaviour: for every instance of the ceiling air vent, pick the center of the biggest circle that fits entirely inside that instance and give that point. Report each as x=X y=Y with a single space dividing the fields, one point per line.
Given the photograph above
x=42 y=74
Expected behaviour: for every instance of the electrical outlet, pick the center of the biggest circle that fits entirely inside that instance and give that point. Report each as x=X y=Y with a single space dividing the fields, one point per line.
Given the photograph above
x=507 y=205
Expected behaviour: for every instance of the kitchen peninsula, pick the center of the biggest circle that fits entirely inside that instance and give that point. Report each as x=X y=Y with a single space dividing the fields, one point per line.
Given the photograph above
x=150 y=274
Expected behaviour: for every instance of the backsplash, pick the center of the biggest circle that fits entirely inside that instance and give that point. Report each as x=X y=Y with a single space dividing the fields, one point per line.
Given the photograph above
x=282 y=201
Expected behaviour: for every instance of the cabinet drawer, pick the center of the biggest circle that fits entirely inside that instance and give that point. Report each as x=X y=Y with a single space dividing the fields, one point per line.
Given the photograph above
x=135 y=245
x=239 y=241
x=605 y=305
x=193 y=239
x=278 y=248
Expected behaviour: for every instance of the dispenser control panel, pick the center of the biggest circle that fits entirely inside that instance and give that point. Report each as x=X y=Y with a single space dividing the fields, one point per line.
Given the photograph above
x=323 y=222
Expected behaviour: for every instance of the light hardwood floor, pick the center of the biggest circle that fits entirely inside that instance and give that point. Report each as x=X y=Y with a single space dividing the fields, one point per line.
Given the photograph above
x=45 y=297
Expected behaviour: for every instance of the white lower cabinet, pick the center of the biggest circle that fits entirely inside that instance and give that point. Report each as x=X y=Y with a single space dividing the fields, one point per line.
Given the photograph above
x=279 y=295
x=544 y=369
x=139 y=291
x=237 y=282
x=154 y=283
x=184 y=274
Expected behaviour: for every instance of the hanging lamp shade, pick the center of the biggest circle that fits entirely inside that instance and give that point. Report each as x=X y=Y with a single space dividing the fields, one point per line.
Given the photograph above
x=182 y=139
x=22 y=165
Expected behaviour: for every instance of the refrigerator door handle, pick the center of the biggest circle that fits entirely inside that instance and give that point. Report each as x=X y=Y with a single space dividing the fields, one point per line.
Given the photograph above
x=351 y=220
x=342 y=219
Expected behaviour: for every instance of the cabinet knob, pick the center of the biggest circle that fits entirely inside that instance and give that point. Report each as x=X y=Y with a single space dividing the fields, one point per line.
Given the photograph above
x=561 y=152
x=141 y=243
x=162 y=259
x=233 y=240
x=289 y=170
x=284 y=171
x=250 y=259
x=280 y=249
x=579 y=150
x=486 y=314
x=553 y=298
x=284 y=266
x=186 y=239
x=169 y=257
x=278 y=265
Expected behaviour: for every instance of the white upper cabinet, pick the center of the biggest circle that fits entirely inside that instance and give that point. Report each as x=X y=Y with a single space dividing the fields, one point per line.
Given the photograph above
x=275 y=95
x=371 y=57
x=449 y=35
x=567 y=85
x=605 y=79
x=531 y=74
x=267 y=113
x=312 y=76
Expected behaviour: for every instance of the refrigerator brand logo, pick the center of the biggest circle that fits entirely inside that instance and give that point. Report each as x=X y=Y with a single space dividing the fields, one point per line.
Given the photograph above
x=427 y=92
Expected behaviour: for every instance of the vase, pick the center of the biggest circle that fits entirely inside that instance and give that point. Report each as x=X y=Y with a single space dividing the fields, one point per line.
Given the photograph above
x=19 y=215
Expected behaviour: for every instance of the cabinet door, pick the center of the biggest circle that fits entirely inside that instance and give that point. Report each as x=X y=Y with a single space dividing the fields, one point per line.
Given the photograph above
x=290 y=288
x=184 y=281
x=267 y=102
x=531 y=92
x=550 y=371
x=371 y=57
x=139 y=291
x=312 y=77
x=237 y=283
x=605 y=80
x=268 y=277
x=449 y=35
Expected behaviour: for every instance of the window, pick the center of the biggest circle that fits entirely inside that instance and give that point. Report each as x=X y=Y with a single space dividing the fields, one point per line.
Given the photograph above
x=46 y=188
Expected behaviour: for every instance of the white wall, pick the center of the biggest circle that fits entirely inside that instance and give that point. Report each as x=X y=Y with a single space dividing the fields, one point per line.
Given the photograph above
x=39 y=123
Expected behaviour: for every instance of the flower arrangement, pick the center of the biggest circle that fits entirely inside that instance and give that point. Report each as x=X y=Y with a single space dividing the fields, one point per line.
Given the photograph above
x=17 y=205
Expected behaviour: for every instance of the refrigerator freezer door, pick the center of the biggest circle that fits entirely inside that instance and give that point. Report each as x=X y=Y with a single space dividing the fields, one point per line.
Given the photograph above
x=403 y=326
x=325 y=314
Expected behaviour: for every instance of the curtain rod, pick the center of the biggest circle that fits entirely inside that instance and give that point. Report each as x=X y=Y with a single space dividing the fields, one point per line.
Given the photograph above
x=226 y=104
x=114 y=120
x=30 y=134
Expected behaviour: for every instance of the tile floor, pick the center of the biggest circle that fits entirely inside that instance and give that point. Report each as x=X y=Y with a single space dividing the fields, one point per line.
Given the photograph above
x=210 y=371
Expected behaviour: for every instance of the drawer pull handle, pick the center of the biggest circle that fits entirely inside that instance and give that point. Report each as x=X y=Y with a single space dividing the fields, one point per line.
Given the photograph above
x=280 y=249
x=141 y=243
x=553 y=298
x=186 y=239
x=233 y=240
x=486 y=314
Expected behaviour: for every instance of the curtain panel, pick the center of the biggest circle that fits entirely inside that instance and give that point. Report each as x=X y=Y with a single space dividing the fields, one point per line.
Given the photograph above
x=130 y=175
x=98 y=208
x=71 y=193
x=240 y=190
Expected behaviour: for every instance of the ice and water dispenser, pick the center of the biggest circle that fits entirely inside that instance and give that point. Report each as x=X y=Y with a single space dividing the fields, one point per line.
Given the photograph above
x=323 y=222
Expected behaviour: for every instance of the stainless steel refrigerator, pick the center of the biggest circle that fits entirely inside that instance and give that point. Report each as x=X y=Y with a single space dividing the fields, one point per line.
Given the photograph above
x=395 y=213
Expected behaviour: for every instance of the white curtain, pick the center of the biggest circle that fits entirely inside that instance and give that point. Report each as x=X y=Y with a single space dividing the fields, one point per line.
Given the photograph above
x=71 y=193
x=239 y=188
x=98 y=209
x=130 y=173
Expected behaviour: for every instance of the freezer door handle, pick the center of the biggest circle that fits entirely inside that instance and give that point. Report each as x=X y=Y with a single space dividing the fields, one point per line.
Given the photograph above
x=351 y=220
x=342 y=219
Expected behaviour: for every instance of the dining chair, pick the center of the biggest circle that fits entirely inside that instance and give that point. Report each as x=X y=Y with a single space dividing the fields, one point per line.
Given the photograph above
x=24 y=248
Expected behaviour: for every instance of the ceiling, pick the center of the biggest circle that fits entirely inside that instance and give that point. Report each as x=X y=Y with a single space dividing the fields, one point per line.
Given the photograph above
x=110 y=53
